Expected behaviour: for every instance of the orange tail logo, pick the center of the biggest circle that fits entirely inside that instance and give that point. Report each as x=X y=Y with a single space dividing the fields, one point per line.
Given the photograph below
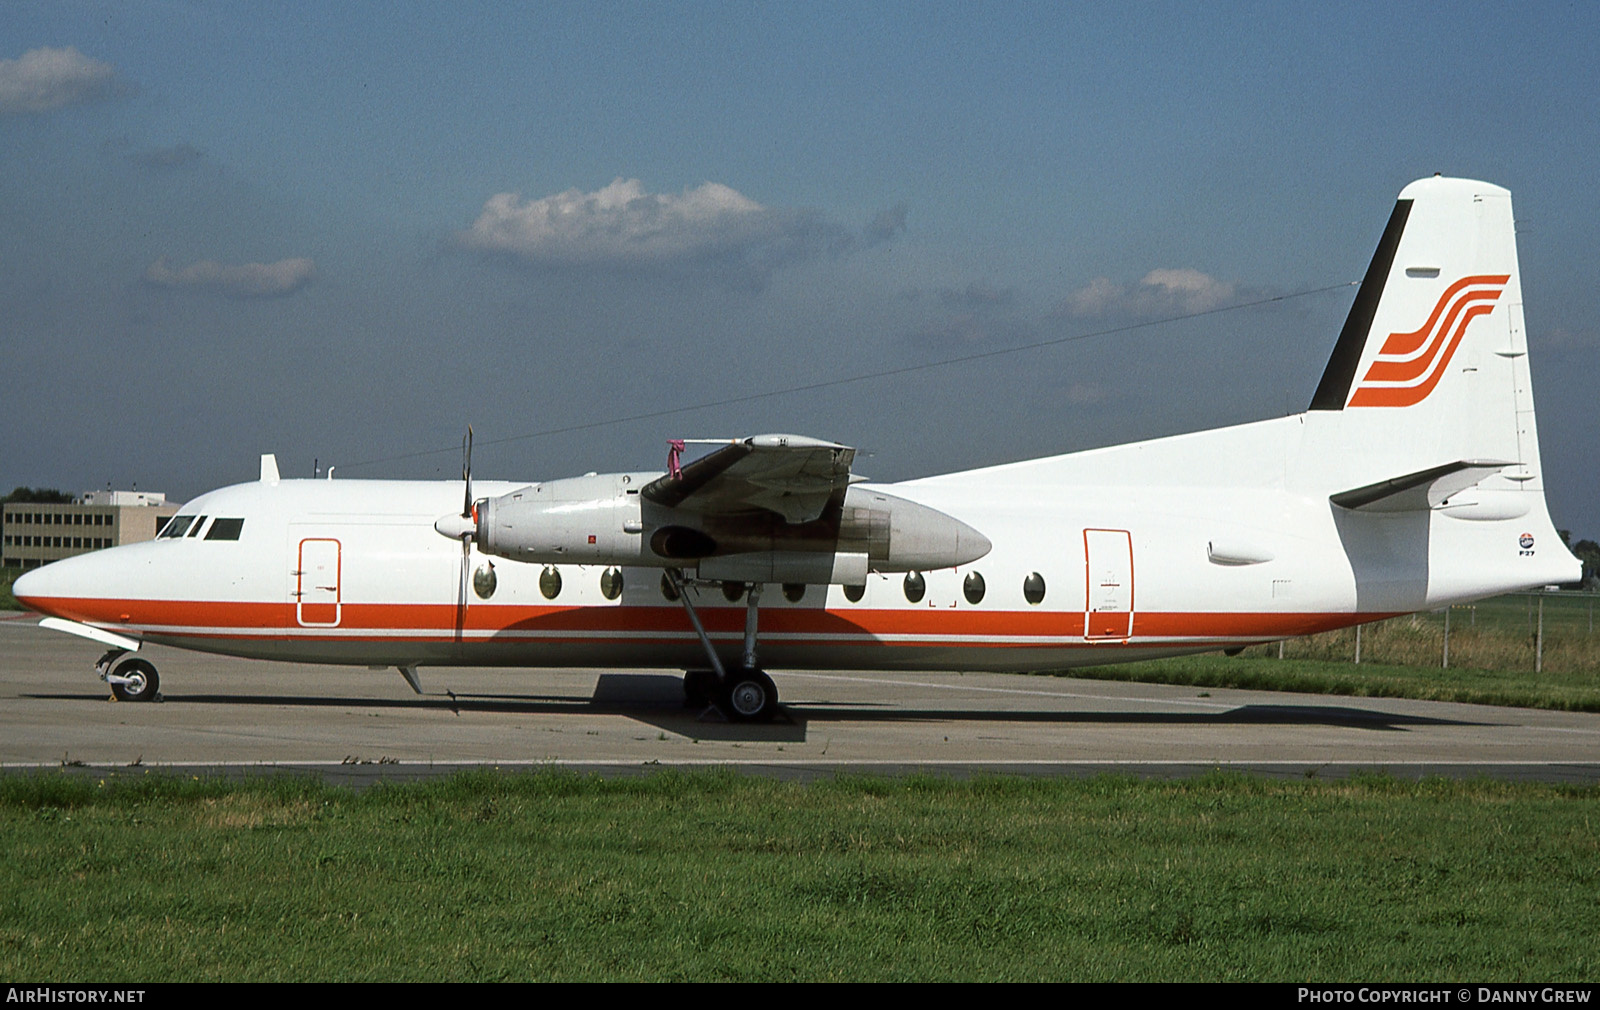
x=1411 y=364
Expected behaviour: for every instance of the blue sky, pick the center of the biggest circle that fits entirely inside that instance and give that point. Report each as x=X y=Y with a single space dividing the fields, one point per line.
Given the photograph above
x=342 y=232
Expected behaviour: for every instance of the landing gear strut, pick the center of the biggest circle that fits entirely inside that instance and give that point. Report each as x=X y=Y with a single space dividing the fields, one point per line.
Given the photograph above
x=131 y=679
x=744 y=694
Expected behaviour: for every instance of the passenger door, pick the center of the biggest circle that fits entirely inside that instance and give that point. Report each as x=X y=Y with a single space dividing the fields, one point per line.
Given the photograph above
x=1108 y=588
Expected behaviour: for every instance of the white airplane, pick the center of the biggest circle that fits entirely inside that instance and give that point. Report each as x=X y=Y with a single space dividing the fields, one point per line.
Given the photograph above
x=1412 y=482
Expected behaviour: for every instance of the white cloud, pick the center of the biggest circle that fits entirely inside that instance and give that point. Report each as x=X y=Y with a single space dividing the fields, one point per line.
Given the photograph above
x=1159 y=293
x=1191 y=289
x=45 y=79
x=707 y=227
x=243 y=280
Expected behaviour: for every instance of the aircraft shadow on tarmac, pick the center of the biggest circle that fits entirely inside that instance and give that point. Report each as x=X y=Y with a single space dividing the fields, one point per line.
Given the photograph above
x=658 y=701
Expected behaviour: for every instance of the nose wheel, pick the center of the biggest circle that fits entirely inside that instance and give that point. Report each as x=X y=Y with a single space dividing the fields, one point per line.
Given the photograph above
x=134 y=680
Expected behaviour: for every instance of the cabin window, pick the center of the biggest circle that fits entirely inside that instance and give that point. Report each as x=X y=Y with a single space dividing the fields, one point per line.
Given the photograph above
x=176 y=526
x=972 y=587
x=225 y=529
x=1033 y=589
x=667 y=590
x=855 y=593
x=916 y=587
x=611 y=583
x=484 y=579
x=794 y=592
x=550 y=582
x=732 y=591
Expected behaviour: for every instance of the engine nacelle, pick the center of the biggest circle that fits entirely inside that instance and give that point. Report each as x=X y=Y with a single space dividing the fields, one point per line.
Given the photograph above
x=603 y=519
x=903 y=536
x=578 y=520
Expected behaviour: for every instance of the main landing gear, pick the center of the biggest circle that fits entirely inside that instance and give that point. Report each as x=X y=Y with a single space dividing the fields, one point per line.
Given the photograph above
x=132 y=679
x=743 y=694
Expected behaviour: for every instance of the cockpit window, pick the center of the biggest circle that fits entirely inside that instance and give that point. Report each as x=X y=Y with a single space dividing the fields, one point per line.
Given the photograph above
x=198 y=523
x=176 y=526
x=225 y=529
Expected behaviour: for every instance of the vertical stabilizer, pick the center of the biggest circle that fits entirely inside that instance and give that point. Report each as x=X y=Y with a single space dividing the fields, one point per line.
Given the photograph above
x=1424 y=415
x=1431 y=366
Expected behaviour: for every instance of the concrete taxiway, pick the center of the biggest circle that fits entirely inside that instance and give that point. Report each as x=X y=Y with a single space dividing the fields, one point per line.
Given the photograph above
x=241 y=716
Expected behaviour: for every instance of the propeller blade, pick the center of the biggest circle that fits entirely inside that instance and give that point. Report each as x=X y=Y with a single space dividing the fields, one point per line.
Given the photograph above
x=466 y=474
x=463 y=529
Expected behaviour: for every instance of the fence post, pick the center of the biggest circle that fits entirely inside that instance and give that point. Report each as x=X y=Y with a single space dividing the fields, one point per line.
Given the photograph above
x=1538 y=648
x=1446 y=638
x=1358 y=643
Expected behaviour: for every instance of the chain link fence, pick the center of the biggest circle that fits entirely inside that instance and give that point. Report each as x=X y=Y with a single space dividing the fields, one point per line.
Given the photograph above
x=1551 y=630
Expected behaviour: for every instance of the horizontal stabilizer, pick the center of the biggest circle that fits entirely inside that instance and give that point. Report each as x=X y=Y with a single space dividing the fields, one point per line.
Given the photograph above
x=1420 y=491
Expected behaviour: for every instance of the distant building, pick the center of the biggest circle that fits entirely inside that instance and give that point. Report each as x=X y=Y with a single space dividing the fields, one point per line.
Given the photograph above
x=35 y=534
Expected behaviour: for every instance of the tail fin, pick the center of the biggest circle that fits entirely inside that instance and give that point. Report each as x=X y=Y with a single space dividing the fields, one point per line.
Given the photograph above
x=1426 y=405
x=1431 y=366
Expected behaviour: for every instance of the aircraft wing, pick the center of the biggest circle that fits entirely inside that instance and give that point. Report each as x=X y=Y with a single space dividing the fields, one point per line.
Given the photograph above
x=791 y=475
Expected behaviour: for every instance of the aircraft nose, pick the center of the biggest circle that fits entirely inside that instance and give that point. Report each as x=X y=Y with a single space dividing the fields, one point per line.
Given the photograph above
x=31 y=587
x=49 y=588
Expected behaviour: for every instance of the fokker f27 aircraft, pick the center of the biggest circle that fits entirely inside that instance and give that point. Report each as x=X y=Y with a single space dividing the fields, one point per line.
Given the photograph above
x=1412 y=482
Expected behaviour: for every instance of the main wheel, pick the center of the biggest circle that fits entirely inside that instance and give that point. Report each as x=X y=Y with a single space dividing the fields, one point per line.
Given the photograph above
x=749 y=696
x=141 y=681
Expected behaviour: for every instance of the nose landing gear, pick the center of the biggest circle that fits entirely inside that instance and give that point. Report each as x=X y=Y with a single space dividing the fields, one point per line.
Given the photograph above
x=130 y=680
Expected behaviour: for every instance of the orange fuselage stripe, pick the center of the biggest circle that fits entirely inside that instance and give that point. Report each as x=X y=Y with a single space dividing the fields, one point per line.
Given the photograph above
x=428 y=620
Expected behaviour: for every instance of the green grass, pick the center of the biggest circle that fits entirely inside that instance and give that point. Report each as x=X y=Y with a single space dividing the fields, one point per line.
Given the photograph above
x=715 y=876
x=1367 y=680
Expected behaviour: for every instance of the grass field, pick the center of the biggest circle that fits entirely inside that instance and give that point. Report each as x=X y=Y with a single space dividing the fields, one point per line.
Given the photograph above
x=713 y=876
